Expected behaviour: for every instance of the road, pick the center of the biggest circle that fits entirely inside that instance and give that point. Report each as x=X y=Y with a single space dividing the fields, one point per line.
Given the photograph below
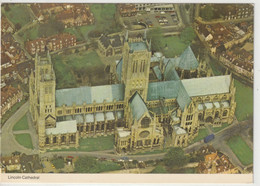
x=219 y=143
x=8 y=142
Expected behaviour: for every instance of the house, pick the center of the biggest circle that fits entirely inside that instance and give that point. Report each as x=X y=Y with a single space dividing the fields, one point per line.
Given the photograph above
x=214 y=163
x=52 y=43
x=110 y=45
x=127 y=10
x=10 y=96
x=11 y=163
x=6 y=26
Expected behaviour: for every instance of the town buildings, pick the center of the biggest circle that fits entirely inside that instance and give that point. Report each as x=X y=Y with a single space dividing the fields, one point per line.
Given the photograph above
x=127 y=10
x=223 y=40
x=141 y=114
x=111 y=45
x=52 y=43
x=76 y=14
x=10 y=96
x=216 y=164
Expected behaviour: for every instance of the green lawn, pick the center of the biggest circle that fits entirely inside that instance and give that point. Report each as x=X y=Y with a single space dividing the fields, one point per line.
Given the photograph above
x=22 y=124
x=159 y=169
x=31 y=33
x=202 y=134
x=75 y=32
x=216 y=129
x=102 y=11
x=83 y=68
x=18 y=13
x=241 y=149
x=97 y=144
x=9 y=113
x=85 y=30
x=244 y=99
x=24 y=140
x=216 y=68
x=175 y=46
x=92 y=144
x=105 y=166
x=152 y=152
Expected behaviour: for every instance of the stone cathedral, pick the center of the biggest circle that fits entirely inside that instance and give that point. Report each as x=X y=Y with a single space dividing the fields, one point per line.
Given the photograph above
x=155 y=102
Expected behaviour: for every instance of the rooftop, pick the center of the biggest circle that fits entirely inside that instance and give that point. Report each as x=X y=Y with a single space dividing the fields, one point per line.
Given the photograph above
x=63 y=127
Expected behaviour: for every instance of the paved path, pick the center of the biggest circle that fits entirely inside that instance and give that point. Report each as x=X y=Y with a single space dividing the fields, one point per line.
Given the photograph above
x=8 y=142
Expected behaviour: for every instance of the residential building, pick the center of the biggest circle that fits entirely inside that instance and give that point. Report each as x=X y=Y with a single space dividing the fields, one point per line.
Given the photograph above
x=10 y=96
x=155 y=7
x=215 y=164
x=52 y=43
x=11 y=164
x=127 y=10
x=111 y=45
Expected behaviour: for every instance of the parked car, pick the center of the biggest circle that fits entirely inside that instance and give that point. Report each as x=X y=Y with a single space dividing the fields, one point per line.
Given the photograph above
x=209 y=138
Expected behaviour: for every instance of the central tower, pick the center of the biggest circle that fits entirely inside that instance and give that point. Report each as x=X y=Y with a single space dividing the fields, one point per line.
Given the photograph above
x=136 y=66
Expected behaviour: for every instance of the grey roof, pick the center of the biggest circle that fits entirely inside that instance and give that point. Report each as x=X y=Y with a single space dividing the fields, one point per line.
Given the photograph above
x=89 y=118
x=123 y=133
x=157 y=72
x=63 y=127
x=119 y=69
x=79 y=118
x=207 y=85
x=179 y=130
x=225 y=104
x=187 y=60
x=114 y=41
x=217 y=105
x=110 y=116
x=138 y=107
x=100 y=116
x=183 y=98
x=89 y=95
x=162 y=89
x=137 y=46
x=120 y=114
x=200 y=106
x=208 y=105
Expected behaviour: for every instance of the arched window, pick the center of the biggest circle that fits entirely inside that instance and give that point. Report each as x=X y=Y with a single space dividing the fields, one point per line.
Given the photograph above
x=102 y=127
x=216 y=114
x=63 y=138
x=87 y=128
x=225 y=113
x=158 y=140
x=72 y=138
x=54 y=139
x=47 y=140
x=145 y=122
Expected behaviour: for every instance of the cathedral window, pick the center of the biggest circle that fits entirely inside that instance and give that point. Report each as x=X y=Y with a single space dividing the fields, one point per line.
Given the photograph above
x=145 y=122
x=139 y=143
x=54 y=139
x=47 y=141
x=225 y=113
x=68 y=111
x=59 y=112
x=63 y=138
x=148 y=142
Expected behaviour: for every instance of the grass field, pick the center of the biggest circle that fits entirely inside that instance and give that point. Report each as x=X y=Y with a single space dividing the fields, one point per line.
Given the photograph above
x=151 y=152
x=22 y=124
x=92 y=144
x=175 y=46
x=202 y=134
x=83 y=68
x=244 y=99
x=75 y=32
x=102 y=11
x=10 y=112
x=31 y=33
x=96 y=144
x=18 y=13
x=216 y=129
x=241 y=149
x=24 y=140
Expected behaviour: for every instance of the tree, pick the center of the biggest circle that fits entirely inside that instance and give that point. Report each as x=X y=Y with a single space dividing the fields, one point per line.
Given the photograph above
x=58 y=163
x=188 y=35
x=17 y=26
x=50 y=28
x=156 y=35
x=175 y=158
x=207 y=13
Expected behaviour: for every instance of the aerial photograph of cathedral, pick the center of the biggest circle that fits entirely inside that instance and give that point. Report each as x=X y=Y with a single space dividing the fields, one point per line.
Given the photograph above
x=127 y=88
